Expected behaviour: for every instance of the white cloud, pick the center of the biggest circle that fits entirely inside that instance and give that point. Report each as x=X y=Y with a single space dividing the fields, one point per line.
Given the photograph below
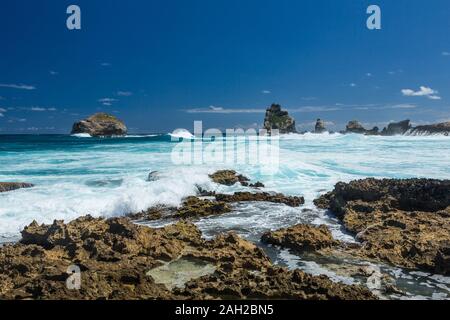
x=220 y=110
x=423 y=92
x=124 y=93
x=17 y=86
x=53 y=73
x=309 y=98
x=105 y=64
x=446 y=53
x=41 y=109
x=266 y=92
x=107 y=101
x=352 y=85
x=2 y=110
x=368 y=74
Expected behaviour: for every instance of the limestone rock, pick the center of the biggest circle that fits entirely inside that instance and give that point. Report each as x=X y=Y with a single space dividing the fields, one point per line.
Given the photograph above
x=403 y=222
x=278 y=119
x=10 y=186
x=100 y=124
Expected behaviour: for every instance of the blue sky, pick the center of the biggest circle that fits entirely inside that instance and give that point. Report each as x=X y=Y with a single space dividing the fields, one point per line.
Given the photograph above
x=160 y=65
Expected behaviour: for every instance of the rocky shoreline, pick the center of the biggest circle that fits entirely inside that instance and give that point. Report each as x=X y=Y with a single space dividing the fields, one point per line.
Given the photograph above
x=403 y=223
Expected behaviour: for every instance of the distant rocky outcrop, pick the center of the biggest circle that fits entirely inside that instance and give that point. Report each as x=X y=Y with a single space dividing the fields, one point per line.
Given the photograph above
x=439 y=128
x=320 y=126
x=279 y=119
x=100 y=124
x=355 y=127
x=10 y=186
x=396 y=128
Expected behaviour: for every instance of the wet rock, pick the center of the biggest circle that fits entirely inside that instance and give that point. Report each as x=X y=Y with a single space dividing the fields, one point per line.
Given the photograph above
x=194 y=207
x=154 y=176
x=10 y=186
x=320 y=126
x=403 y=222
x=301 y=237
x=278 y=119
x=100 y=124
x=228 y=177
x=291 y=201
x=120 y=260
x=438 y=128
x=355 y=127
x=397 y=128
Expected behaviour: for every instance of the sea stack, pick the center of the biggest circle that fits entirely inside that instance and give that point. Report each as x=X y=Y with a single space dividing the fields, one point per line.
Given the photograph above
x=277 y=119
x=320 y=126
x=100 y=124
x=397 y=128
x=10 y=186
x=355 y=127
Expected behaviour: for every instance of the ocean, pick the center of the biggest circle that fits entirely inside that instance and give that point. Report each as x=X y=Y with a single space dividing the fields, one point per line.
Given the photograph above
x=78 y=175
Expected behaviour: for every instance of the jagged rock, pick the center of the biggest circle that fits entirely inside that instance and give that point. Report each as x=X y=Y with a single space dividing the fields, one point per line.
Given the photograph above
x=228 y=177
x=301 y=237
x=194 y=207
x=154 y=176
x=397 y=128
x=355 y=127
x=439 y=128
x=320 y=126
x=403 y=222
x=278 y=119
x=261 y=196
x=10 y=186
x=100 y=124
x=117 y=259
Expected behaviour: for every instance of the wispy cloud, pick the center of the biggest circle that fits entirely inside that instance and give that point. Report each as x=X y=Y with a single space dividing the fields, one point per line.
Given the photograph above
x=266 y=92
x=309 y=98
x=213 y=109
x=53 y=73
x=422 y=92
x=368 y=74
x=107 y=101
x=17 y=86
x=124 y=93
x=41 y=109
x=446 y=53
x=352 y=84
x=105 y=64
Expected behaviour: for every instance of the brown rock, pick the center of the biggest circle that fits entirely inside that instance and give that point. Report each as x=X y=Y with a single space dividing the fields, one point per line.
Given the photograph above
x=228 y=177
x=291 y=201
x=100 y=124
x=117 y=259
x=10 y=186
x=301 y=237
x=403 y=222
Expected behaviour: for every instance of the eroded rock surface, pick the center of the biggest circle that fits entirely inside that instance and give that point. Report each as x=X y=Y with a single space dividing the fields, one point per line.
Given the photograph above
x=100 y=124
x=301 y=237
x=402 y=222
x=120 y=260
x=277 y=119
x=438 y=128
x=228 y=177
x=291 y=201
x=10 y=186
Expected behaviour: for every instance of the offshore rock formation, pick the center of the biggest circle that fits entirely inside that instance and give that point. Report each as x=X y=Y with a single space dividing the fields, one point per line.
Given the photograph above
x=396 y=128
x=100 y=124
x=10 y=186
x=402 y=222
x=439 y=128
x=355 y=127
x=121 y=260
x=320 y=126
x=278 y=119
x=228 y=177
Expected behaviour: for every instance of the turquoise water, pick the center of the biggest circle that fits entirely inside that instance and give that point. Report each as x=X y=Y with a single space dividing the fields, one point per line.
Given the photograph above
x=76 y=176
